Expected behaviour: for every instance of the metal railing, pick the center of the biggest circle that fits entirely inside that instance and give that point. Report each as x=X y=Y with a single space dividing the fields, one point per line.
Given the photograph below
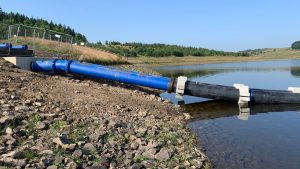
x=52 y=43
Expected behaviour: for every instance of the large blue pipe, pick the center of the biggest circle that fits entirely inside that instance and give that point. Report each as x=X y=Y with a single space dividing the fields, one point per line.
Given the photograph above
x=6 y=46
x=93 y=70
x=20 y=47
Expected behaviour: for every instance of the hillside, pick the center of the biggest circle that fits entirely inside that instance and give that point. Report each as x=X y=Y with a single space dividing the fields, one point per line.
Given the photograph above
x=159 y=50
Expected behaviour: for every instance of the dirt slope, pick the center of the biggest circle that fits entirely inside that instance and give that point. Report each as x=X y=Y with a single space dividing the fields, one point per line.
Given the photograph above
x=56 y=122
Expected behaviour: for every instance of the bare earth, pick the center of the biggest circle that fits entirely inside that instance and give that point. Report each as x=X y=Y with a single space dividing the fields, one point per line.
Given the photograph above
x=65 y=121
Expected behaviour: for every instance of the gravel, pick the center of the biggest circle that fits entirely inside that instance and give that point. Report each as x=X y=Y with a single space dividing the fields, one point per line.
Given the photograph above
x=50 y=121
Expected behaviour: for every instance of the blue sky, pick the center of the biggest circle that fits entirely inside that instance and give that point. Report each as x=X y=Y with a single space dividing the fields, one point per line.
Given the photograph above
x=229 y=25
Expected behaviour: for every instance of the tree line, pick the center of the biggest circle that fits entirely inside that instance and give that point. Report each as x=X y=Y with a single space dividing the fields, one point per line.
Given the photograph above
x=16 y=18
x=159 y=50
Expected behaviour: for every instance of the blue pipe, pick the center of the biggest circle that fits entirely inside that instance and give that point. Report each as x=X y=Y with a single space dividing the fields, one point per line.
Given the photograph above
x=104 y=72
x=20 y=47
x=5 y=46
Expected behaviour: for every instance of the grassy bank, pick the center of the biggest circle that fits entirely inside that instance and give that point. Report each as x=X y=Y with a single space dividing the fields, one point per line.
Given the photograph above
x=271 y=54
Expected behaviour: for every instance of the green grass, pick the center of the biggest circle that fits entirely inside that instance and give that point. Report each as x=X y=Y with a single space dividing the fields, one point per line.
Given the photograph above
x=33 y=120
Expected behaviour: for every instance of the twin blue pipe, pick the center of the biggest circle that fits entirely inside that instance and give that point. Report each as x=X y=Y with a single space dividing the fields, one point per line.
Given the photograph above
x=7 y=46
x=98 y=71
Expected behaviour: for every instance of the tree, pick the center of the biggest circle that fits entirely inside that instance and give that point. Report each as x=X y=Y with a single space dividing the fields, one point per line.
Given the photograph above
x=296 y=45
x=1 y=15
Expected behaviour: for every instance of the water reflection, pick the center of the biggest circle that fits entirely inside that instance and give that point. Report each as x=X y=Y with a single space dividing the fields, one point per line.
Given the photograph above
x=262 y=136
x=217 y=109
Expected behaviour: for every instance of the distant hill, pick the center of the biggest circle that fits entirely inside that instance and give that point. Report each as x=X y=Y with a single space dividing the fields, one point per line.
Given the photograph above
x=159 y=50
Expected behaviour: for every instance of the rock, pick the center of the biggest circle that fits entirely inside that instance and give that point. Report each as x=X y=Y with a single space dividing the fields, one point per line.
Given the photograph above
x=62 y=141
x=58 y=160
x=148 y=163
x=21 y=108
x=142 y=113
x=163 y=155
x=141 y=132
x=38 y=98
x=46 y=152
x=128 y=162
x=13 y=162
x=39 y=104
x=134 y=145
x=180 y=140
x=129 y=155
x=10 y=140
x=198 y=163
x=150 y=154
x=49 y=117
x=52 y=167
x=152 y=144
x=9 y=131
x=136 y=166
x=13 y=154
x=88 y=148
x=72 y=147
x=187 y=116
x=94 y=137
x=46 y=161
x=71 y=165
x=96 y=167
x=4 y=119
x=40 y=125
x=77 y=153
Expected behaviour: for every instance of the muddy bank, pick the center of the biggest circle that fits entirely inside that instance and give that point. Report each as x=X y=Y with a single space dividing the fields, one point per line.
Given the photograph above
x=65 y=121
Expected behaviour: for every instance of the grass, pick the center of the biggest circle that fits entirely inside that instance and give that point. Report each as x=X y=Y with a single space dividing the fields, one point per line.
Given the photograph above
x=33 y=120
x=270 y=54
x=48 y=48
x=58 y=125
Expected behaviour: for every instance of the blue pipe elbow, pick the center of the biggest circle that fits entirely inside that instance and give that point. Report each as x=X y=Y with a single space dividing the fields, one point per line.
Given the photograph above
x=103 y=72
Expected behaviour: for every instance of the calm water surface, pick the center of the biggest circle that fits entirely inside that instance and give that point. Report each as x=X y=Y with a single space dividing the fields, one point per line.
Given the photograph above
x=268 y=137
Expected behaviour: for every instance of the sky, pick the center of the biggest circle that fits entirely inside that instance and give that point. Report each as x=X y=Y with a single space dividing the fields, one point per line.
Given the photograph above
x=230 y=25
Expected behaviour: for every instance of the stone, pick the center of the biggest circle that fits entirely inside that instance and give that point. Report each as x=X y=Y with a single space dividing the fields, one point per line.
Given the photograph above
x=148 y=163
x=88 y=148
x=152 y=144
x=142 y=113
x=163 y=155
x=21 y=108
x=134 y=145
x=46 y=161
x=136 y=166
x=13 y=154
x=9 y=131
x=77 y=153
x=49 y=117
x=150 y=153
x=39 y=104
x=52 y=167
x=62 y=141
x=4 y=119
x=71 y=165
x=40 y=125
x=96 y=167
x=46 y=152
x=13 y=162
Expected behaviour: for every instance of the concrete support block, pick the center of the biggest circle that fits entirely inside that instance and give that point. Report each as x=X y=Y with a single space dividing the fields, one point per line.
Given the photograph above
x=22 y=62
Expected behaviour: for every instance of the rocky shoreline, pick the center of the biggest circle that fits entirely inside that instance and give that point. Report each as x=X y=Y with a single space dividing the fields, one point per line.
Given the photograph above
x=71 y=122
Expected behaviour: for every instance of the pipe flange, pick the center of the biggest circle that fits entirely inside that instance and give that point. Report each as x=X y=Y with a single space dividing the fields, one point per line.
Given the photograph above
x=244 y=93
x=181 y=80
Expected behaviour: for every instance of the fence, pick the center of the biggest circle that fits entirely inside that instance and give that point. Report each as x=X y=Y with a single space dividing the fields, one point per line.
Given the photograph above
x=43 y=42
x=4 y=37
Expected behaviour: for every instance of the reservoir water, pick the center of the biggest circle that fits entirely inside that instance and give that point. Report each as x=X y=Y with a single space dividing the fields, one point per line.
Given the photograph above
x=266 y=137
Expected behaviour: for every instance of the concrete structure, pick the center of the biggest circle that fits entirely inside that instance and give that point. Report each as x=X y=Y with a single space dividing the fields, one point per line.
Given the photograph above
x=22 y=62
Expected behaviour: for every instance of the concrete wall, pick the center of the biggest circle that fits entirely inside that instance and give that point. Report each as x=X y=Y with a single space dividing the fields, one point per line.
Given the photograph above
x=22 y=62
